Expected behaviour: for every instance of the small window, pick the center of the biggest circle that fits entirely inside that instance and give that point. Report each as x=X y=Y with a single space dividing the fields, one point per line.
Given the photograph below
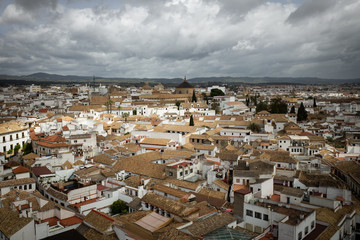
x=306 y=230
x=258 y=215
x=312 y=224
x=249 y=213
x=299 y=235
x=265 y=217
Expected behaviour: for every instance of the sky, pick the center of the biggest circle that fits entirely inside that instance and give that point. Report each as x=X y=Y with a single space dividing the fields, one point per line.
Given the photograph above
x=173 y=38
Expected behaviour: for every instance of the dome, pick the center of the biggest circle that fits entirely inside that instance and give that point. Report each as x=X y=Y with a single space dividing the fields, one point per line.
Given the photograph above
x=185 y=84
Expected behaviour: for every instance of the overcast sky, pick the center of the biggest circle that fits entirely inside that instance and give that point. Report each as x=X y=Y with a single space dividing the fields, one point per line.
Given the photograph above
x=163 y=38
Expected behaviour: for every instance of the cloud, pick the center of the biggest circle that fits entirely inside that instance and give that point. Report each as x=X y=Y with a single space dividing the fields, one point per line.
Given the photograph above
x=182 y=37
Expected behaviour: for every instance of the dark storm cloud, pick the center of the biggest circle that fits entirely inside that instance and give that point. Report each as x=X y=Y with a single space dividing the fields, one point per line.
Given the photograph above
x=311 y=8
x=181 y=37
x=32 y=5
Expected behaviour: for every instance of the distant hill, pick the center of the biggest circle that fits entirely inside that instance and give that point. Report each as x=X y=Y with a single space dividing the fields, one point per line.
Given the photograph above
x=51 y=78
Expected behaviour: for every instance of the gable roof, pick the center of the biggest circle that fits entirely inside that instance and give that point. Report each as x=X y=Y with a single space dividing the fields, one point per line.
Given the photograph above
x=209 y=224
x=169 y=205
x=100 y=221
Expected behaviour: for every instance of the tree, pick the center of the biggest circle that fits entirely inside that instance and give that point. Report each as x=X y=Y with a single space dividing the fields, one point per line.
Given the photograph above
x=191 y=121
x=17 y=148
x=215 y=106
x=292 y=109
x=216 y=92
x=10 y=151
x=118 y=207
x=254 y=127
x=108 y=104
x=178 y=105
x=278 y=106
x=247 y=101
x=302 y=114
x=194 y=98
x=134 y=112
x=314 y=105
x=261 y=106
x=126 y=115
x=27 y=148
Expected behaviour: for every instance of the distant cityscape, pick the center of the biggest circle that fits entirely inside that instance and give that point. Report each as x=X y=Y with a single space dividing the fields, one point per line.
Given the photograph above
x=179 y=159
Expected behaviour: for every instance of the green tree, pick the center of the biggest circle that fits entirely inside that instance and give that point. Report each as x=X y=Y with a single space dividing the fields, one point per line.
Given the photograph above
x=191 y=121
x=247 y=101
x=126 y=115
x=254 y=100
x=254 y=127
x=330 y=139
x=215 y=106
x=216 y=92
x=302 y=113
x=278 y=106
x=314 y=104
x=261 y=106
x=205 y=97
x=134 y=112
x=178 y=105
x=194 y=98
x=10 y=151
x=108 y=105
x=27 y=148
x=292 y=109
x=17 y=148
x=118 y=207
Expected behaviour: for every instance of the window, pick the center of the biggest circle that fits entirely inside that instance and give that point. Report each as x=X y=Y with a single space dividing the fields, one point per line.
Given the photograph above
x=170 y=173
x=237 y=180
x=4 y=139
x=265 y=217
x=312 y=224
x=258 y=215
x=146 y=205
x=30 y=186
x=181 y=173
x=299 y=235
x=306 y=230
x=249 y=213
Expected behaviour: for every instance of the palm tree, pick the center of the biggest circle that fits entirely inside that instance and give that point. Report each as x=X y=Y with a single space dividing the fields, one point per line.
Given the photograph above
x=108 y=105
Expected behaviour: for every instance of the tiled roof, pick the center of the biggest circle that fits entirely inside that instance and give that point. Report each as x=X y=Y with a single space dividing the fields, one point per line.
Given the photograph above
x=184 y=184
x=54 y=138
x=12 y=126
x=20 y=169
x=11 y=223
x=172 y=191
x=221 y=184
x=38 y=171
x=155 y=141
x=52 y=145
x=210 y=224
x=169 y=205
x=100 y=221
x=30 y=156
x=16 y=182
x=59 y=195
x=103 y=159
x=140 y=167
